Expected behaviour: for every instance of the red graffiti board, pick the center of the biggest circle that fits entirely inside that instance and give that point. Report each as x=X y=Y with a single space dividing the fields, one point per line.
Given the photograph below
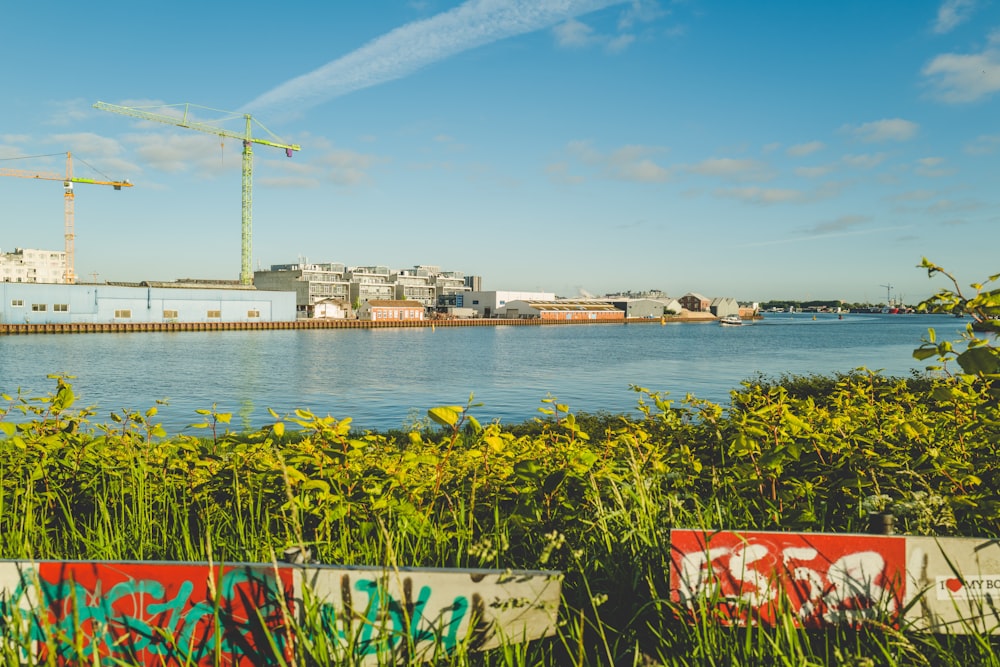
x=753 y=577
x=153 y=613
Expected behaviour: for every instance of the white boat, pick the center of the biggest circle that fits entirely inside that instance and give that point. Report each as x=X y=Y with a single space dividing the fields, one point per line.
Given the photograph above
x=731 y=321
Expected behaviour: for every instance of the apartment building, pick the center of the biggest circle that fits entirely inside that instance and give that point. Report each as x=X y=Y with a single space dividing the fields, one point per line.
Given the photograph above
x=33 y=266
x=312 y=283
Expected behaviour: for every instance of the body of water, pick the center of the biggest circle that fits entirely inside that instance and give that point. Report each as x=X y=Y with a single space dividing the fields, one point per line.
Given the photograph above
x=385 y=378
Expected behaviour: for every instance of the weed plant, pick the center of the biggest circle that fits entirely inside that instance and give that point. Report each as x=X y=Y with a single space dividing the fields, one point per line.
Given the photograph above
x=594 y=496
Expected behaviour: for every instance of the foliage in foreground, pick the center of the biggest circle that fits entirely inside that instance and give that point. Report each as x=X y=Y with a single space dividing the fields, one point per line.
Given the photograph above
x=592 y=495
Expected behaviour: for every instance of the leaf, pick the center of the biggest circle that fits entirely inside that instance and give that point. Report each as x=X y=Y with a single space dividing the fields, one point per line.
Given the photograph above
x=446 y=415
x=278 y=429
x=976 y=360
x=527 y=470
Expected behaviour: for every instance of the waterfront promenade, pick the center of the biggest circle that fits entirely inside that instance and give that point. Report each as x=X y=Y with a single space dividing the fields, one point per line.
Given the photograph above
x=134 y=327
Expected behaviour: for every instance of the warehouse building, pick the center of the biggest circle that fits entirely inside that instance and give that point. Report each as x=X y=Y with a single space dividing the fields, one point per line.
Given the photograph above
x=33 y=303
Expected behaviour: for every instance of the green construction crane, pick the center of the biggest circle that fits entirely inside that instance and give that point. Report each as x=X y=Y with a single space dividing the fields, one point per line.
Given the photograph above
x=182 y=120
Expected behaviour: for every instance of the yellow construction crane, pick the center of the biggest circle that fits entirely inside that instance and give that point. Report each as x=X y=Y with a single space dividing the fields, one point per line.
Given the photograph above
x=69 y=276
x=182 y=120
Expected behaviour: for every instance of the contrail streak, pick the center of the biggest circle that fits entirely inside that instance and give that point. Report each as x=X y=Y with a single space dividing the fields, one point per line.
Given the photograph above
x=421 y=43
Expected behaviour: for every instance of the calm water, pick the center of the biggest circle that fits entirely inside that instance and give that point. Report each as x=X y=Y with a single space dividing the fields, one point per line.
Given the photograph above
x=384 y=378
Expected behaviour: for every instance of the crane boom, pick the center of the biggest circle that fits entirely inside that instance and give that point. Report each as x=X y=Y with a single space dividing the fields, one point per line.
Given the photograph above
x=69 y=275
x=183 y=120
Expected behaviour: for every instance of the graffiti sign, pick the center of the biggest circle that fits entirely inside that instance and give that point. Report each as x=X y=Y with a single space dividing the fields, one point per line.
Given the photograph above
x=143 y=613
x=746 y=578
x=114 y=613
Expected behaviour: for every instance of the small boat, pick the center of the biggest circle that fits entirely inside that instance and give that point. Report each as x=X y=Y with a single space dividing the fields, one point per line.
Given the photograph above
x=731 y=321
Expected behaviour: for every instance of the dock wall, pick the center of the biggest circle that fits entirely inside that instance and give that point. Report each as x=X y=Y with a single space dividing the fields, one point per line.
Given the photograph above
x=137 y=327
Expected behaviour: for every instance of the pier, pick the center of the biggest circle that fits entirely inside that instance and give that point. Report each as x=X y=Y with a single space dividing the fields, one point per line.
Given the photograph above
x=137 y=327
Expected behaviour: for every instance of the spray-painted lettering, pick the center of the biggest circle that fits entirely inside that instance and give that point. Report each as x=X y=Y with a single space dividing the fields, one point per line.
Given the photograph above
x=823 y=579
x=133 y=613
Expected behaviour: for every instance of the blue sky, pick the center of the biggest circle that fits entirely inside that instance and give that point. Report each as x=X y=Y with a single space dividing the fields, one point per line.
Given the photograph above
x=778 y=150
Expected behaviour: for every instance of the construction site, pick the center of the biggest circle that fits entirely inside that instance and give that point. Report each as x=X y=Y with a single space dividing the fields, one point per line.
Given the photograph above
x=42 y=288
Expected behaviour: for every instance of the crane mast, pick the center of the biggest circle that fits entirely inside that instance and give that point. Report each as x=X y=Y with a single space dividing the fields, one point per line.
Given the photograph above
x=69 y=274
x=184 y=120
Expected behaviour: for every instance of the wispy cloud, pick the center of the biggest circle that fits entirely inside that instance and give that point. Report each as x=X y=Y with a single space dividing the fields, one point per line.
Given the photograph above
x=811 y=234
x=837 y=225
x=953 y=13
x=629 y=163
x=984 y=144
x=958 y=78
x=733 y=169
x=421 y=43
x=763 y=196
x=888 y=129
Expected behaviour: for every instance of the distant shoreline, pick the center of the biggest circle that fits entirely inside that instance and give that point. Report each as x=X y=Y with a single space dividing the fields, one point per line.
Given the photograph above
x=145 y=327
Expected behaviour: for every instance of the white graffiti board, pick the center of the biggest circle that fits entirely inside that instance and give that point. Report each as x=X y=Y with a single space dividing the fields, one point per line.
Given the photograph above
x=422 y=613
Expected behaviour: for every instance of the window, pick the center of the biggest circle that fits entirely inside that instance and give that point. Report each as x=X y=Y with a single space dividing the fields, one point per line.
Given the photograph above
x=170 y=314
x=38 y=307
x=17 y=303
x=253 y=313
x=123 y=314
x=215 y=314
x=61 y=307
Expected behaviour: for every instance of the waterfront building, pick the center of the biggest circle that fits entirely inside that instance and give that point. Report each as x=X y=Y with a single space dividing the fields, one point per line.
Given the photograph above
x=724 y=305
x=695 y=302
x=489 y=303
x=563 y=309
x=34 y=303
x=450 y=282
x=317 y=283
x=474 y=283
x=641 y=308
x=391 y=310
x=311 y=283
x=416 y=284
x=33 y=266
x=332 y=309
x=370 y=283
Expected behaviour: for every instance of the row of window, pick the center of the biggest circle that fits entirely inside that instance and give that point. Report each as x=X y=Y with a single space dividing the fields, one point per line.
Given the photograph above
x=40 y=307
x=122 y=314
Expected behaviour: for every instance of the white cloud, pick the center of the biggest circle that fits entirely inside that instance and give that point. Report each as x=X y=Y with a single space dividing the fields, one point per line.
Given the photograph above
x=866 y=161
x=958 y=78
x=801 y=150
x=813 y=172
x=421 y=43
x=763 y=196
x=952 y=13
x=574 y=34
x=640 y=11
x=888 y=129
x=620 y=43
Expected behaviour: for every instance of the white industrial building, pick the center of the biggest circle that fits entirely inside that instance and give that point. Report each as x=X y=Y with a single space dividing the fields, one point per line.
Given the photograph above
x=30 y=303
